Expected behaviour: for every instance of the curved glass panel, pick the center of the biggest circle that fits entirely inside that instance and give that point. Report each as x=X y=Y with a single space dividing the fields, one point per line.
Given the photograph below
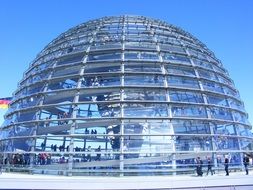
x=188 y=111
x=185 y=96
x=182 y=82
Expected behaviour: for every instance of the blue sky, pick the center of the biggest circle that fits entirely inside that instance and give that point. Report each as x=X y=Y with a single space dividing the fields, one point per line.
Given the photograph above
x=225 y=26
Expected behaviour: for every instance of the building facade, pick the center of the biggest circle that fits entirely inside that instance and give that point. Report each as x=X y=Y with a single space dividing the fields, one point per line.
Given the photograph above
x=125 y=95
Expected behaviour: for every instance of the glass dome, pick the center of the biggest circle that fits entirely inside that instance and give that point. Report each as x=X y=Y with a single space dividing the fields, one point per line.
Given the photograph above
x=124 y=95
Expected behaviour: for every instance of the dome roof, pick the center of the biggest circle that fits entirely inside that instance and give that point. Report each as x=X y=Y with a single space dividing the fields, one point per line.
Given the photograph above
x=132 y=90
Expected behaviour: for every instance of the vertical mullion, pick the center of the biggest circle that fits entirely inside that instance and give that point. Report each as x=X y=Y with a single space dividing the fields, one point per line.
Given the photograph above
x=122 y=100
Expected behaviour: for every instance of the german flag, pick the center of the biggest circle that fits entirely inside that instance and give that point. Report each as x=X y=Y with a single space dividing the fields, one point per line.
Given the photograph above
x=4 y=102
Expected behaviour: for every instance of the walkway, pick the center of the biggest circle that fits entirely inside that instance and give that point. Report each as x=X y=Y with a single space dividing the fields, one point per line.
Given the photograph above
x=237 y=181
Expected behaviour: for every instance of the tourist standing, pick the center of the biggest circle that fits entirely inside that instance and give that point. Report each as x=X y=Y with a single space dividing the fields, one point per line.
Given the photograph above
x=226 y=163
x=1 y=163
x=98 y=150
x=199 y=164
x=246 y=164
x=209 y=166
x=89 y=154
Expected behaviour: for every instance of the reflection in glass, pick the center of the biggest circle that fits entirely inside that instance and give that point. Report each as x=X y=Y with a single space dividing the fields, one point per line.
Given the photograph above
x=191 y=127
x=188 y=111
x=145 y=94
x=145 y=110
x=185 y=71
x=147 y=80
x=182 y=82
x=184 y=96
x=220 y=113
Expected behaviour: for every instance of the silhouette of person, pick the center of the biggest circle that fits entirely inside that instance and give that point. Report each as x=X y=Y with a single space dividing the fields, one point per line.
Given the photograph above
x=226 y=163
x=246 y=164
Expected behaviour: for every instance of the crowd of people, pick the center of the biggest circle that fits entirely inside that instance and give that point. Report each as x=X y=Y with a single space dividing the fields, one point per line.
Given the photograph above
x=62 y=119
x=65 y=115
x=25 y=159
x=209 y=163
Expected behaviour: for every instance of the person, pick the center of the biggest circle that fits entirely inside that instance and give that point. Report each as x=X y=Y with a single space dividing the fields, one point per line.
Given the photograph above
x=199 y=164
x=89 y=154
x=46 y=122
x=1 y=163
x=209 y=166
x=246 y=164
x=43 y=146
x=226 y=163
x=65 y=115
x=98 y=158
x=95 y=132
x=55 y=148
x=59 y=117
